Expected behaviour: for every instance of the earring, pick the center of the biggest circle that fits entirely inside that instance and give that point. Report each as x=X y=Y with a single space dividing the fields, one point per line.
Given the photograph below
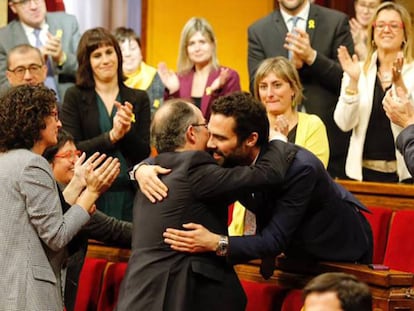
x=403 y=44
x=373 y=44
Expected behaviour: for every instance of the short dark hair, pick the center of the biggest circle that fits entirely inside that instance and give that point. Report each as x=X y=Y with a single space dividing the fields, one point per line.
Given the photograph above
x=170 y=124
x=353 y=294
x=122 y=34
x=91 y=40
x=23 y=48
x=249 y=115
x=23 y=110
x=63 y=137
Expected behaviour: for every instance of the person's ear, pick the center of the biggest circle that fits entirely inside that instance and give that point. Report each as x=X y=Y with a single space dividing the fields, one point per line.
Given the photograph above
x=12 y=7
x=251 y=141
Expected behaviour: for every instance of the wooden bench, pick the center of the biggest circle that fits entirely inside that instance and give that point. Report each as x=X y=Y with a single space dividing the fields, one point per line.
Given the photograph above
x=392 y=289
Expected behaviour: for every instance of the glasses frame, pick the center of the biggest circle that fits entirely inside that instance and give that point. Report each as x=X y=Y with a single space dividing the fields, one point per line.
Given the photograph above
x=68 y=154
x=20 y=71
x=382 y=25
x=200 y=124
x=25 y=2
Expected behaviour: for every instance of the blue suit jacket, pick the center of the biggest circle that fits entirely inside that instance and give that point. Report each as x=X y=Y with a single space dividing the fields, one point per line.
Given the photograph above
x=310 y=216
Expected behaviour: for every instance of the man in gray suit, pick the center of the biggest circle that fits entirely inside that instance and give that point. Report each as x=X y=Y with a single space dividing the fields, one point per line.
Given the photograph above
x=56 y=34
x=312 y=45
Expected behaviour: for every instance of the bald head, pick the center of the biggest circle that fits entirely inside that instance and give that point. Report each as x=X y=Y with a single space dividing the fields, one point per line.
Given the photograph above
x=174 y=126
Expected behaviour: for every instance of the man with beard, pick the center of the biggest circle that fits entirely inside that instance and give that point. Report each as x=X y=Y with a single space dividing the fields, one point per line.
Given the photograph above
x=309 y=35
x=159 y=278
x=308 y=217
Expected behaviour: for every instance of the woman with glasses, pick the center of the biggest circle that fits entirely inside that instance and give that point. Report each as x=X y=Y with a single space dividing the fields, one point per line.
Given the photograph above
x=68 y=166
x=34 y=229
x=106 y=116
x=372 y=155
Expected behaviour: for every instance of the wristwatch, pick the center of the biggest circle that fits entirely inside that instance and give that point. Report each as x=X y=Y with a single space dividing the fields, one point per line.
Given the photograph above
x=222 y=246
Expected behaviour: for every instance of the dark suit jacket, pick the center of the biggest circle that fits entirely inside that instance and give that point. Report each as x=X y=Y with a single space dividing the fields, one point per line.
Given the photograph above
x=328 y=29
x=186 y=84
x=309 y=217
x=159 y=278
x=405 y=144
x=80 y=117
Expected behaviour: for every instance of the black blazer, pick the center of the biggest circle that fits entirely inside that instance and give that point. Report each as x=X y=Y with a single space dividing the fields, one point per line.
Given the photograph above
x=327 y=29
x=80 y=117
x=405 y=144
x=159 y=278
x=310 y=216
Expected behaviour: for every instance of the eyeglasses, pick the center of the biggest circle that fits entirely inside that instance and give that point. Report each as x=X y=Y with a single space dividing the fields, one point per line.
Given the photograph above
x=20 y=71
x=26 y=2
x=70 y=154
x=393 y=26
x=200 y=124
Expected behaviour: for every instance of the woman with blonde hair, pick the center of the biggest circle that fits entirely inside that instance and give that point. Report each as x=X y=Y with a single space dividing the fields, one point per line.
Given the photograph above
x=278 y=87
x=372 y=155
x=199 y=78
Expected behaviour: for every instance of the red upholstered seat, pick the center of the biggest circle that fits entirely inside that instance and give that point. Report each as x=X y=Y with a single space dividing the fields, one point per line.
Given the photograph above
x=262 y=296
x=113 y=276
x=379 y=221
x=293 y=301
x=89 y=284
x=399 y=254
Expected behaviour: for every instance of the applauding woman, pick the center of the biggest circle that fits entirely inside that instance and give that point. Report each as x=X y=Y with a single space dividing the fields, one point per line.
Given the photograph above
x=200 y=78
x=104 y=115
x=34 y=229
x=372 y=155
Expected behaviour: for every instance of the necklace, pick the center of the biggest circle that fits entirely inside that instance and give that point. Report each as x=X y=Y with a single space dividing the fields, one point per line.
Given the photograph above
x=385 y=77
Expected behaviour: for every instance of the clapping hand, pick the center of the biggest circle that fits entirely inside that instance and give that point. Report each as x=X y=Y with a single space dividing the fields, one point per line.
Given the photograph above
x=220 y=81
x=100 y=178
x=349 y=64
x=169 y=78
x=122 y=121
x=53 y=47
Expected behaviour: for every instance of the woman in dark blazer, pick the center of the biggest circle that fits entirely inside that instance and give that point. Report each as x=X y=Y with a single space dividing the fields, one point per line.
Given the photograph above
x=104 y=115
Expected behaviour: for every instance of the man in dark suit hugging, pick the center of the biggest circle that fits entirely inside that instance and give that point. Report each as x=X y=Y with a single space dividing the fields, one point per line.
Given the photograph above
x=308 y=217
x=159 y=278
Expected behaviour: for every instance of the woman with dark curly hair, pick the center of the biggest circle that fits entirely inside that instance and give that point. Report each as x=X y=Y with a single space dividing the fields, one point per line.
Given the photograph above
x=34 y=230
x=92 y=112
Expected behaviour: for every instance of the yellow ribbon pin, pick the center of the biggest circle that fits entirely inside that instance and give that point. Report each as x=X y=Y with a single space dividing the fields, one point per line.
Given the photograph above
x=133 y=118
x=311 y=24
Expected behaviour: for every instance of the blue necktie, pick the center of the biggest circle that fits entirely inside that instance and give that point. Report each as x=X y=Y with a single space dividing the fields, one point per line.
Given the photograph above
x=294 y=21
x=50 y=81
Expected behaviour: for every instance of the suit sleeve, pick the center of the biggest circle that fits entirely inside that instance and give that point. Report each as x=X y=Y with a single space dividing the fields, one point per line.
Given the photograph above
x=71 y=119
x=109 y=230
x=255 y=55
x=405 y=144
x=135 y=144
x=209 y=180
x=44 y=207
x=287 y=214
x=327 y=68
x=70 y=45
x=4 y=84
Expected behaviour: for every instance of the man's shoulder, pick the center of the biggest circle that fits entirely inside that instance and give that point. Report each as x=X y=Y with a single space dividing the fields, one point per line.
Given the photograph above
x=189 y=157
x=61 y=17
x=327 y=12
x=263 y=22
x=9 y=28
